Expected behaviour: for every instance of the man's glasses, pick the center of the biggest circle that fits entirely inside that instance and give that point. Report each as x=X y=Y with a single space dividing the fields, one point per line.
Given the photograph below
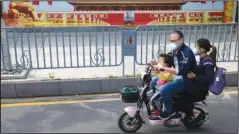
x=174 y=40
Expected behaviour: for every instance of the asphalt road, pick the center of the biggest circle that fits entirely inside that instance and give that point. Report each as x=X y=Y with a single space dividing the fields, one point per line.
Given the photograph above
x=99 y=113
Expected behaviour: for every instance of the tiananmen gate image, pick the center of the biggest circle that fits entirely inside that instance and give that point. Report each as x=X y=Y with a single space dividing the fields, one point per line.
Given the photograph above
x=114 y=13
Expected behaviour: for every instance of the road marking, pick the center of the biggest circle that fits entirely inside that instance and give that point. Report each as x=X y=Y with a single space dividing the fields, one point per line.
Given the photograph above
x=226 y=93
x=103 y=111
x=56 y=102
x=226 y=96
x=75 y=101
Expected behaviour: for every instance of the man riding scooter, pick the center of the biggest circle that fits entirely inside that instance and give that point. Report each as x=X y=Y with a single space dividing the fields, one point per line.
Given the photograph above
x=184 y=62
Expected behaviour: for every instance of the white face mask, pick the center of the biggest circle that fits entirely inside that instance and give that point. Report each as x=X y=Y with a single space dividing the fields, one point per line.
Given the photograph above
x=195 y=51
x=173 y=47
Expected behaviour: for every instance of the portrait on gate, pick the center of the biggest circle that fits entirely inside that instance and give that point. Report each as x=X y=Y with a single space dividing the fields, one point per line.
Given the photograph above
x=129 y=40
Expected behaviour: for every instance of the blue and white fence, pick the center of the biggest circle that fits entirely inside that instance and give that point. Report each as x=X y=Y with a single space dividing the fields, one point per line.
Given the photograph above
x=75 y=47
x=63 y=47
x=152 y=40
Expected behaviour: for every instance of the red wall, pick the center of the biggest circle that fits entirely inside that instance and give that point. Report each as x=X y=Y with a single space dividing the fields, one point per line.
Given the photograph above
x=115 y=19
x=118 y=18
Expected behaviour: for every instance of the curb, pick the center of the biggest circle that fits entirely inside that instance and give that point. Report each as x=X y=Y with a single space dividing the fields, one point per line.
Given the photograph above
x=77 y=87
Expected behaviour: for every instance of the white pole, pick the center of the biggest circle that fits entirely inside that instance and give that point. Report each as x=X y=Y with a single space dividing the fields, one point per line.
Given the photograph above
x=201 y=6
x=212 y=5
x=237 y=55
x=234 y=11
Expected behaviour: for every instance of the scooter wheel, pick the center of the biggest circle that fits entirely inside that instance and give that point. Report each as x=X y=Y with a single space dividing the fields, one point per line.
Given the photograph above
x=131 y=125
x=196 y=123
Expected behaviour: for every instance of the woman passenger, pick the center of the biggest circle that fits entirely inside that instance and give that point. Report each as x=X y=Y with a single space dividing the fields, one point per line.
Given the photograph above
x=204 y=74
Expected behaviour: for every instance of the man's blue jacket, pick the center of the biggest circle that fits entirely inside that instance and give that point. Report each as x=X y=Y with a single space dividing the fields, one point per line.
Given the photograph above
x=186 y=63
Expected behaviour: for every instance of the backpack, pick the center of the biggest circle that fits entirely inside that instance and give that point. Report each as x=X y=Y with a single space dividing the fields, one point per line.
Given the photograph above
x=219 y=81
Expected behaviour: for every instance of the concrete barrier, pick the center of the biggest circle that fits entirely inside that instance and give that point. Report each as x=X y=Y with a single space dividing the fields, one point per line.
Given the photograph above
x=36 y=89
x=76 y=87
x=68 y=87
x=8 y=90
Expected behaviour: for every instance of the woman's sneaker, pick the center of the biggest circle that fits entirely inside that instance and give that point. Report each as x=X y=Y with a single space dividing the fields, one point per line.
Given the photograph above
x=196 y=113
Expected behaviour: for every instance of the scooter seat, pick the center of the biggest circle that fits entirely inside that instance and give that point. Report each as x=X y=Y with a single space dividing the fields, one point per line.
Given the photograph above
x=177 y=95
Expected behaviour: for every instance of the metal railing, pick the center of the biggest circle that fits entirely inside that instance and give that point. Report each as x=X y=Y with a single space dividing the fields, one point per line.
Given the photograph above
x=75 y=47
x=153 y=40
x=63 y=47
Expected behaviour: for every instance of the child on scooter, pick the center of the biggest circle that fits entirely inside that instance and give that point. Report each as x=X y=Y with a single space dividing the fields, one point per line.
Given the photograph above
x=161 y=76
x=165 y=60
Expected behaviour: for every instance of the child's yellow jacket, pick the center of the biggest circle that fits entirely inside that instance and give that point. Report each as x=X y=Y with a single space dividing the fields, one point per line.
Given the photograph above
x=165 y=76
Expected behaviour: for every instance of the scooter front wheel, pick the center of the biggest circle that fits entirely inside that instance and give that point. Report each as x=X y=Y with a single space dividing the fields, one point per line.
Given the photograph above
x=130 y=124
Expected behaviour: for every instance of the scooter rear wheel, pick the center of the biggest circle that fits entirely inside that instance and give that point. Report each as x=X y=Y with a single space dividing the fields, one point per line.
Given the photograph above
x=196 y=123
x=132 y=125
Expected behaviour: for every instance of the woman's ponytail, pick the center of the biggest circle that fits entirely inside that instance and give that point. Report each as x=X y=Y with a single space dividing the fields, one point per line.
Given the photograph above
x=213 y=53
x=205 y=44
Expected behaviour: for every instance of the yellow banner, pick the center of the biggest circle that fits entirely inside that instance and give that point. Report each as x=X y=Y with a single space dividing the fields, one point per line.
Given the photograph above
x=228 y=11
